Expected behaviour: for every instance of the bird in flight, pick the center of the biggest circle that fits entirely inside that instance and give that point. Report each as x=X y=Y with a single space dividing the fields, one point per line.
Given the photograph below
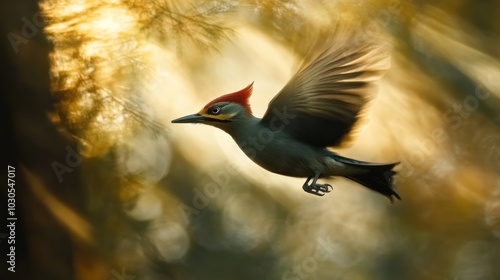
x=318 y=108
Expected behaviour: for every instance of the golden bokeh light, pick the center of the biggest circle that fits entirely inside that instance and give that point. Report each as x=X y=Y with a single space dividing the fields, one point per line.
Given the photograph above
x=183 y=201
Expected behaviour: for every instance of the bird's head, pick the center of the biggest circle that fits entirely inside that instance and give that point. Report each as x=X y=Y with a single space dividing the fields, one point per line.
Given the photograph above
x=224 y=111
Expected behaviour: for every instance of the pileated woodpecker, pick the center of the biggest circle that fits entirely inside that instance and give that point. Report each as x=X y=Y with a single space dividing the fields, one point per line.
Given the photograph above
x=316 y=109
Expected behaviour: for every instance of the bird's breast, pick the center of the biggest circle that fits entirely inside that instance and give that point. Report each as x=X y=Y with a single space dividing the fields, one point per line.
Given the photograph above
x=280 y=154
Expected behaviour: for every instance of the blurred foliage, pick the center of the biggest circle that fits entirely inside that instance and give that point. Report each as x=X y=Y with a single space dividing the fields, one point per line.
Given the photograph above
x=96 y=90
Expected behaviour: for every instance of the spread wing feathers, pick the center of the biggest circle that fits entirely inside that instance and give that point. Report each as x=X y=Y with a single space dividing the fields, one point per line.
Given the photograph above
x=323 y=100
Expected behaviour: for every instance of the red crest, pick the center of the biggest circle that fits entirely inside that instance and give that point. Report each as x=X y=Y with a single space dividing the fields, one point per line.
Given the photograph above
x=240 y=97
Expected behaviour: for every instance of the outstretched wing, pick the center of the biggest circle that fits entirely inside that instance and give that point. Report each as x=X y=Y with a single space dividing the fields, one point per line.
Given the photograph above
x=323 y=100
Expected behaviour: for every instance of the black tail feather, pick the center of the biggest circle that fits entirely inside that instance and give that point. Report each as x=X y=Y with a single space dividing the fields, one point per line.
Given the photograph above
x=381 y=182
x=378 y=177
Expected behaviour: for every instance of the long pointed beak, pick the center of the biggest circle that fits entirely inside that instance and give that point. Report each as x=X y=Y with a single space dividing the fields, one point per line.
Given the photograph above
x=194 y=118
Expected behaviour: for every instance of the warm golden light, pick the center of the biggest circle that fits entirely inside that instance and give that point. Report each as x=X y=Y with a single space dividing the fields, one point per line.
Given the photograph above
x=186 y=196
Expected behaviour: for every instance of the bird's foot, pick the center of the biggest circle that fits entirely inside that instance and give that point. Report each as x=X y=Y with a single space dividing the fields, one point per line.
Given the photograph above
x=317 y=189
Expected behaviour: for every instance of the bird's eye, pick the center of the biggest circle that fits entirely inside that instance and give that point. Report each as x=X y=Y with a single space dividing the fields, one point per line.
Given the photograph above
x=215 y=110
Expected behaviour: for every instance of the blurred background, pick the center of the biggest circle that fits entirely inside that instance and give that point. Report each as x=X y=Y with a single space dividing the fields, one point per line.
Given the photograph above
x=108 y=188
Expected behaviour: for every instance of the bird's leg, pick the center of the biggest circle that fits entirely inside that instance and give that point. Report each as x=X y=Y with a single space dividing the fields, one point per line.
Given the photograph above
x=316 y=189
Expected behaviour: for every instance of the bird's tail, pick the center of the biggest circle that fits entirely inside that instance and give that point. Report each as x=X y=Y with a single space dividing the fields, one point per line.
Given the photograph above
x=379 y=177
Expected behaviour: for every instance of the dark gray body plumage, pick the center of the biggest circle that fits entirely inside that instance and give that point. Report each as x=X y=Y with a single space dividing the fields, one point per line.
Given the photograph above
x=276 y=151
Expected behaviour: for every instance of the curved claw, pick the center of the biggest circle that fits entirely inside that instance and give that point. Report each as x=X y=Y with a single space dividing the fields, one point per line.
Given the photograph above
x=325 y=187
x=312 y=190
x=317 y=189
x=315 y=192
